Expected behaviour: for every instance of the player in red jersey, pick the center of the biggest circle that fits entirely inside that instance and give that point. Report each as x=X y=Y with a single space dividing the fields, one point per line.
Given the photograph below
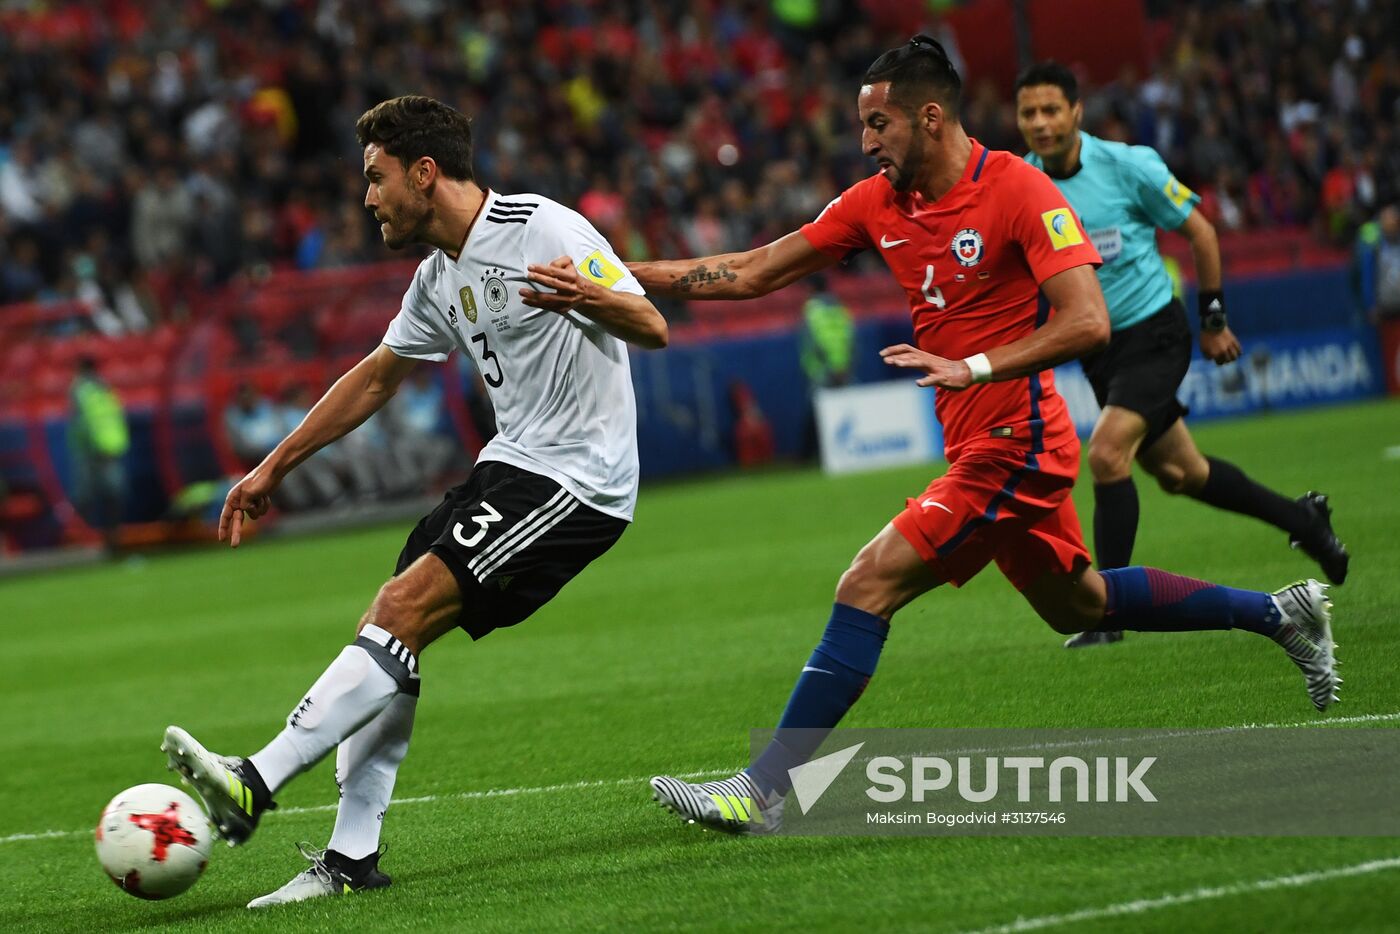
x=1000 y=279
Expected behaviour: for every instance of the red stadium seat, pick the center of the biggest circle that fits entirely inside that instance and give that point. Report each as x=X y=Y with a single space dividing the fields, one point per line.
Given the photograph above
x=51 y=380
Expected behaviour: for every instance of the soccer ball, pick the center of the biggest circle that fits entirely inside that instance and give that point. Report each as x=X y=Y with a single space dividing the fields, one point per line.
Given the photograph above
x=153 y=841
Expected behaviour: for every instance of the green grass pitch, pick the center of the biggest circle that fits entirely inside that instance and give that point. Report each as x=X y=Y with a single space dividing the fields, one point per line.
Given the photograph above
x=660 y=658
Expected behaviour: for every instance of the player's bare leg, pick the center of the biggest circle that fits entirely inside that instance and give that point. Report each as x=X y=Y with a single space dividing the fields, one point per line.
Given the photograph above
x=1180 y=468
x=1297 y=617
x=410 y=611
x=885 y=576
x=1069 y=603
x=1114 y=443
x=1175 y=462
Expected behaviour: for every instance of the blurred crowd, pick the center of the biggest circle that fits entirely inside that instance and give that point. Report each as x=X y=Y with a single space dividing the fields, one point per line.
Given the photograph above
x=1279 y=113
x=403 y=450
x=151 y=150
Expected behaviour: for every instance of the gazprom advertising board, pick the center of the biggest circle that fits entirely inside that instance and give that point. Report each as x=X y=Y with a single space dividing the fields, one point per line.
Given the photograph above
x=877 y=425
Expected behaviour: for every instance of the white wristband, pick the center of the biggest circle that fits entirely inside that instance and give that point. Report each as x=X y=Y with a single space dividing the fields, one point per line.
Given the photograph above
x=980 y=366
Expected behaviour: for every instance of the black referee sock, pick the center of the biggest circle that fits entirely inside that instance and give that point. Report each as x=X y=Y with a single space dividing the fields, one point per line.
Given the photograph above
x=1115 y=522
x=1227 y=487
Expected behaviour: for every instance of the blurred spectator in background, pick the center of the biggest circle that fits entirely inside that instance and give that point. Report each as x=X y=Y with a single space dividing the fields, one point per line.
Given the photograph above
x=1378 y=262
x=19 y=184
x=753 y=436
x=335 y=476
x=21 y=279
x=417 y=417
x=827 y=345
x=114 y=304
x=97 y=443
x=479 y=407
x=370 y=450
x=1224 y=203
x=828 y=337
x=162 y=217
x=254 y=426
x=200 y=502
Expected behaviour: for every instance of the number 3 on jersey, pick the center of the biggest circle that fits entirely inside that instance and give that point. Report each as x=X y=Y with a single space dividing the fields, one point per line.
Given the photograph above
x=933 y=293
x=490 y=362
x=483 y=520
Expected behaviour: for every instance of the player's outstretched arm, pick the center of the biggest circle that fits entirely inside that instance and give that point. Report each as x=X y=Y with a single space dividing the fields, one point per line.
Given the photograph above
x=356 y=396
x=624 y=315
x=1079 y=326
x=1219 y=346
x=734 y=275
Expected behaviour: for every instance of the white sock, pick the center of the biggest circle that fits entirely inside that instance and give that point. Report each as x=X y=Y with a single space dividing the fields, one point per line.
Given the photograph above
x=365 y=768
x=347 y=696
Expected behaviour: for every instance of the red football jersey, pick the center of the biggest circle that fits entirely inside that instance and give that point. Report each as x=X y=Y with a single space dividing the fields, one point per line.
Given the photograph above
x=971 y=263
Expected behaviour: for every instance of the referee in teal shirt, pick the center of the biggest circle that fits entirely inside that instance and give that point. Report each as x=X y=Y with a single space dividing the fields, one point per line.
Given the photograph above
x=1123 y=194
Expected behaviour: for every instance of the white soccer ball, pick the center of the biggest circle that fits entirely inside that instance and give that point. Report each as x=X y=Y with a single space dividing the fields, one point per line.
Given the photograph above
x=153 y=841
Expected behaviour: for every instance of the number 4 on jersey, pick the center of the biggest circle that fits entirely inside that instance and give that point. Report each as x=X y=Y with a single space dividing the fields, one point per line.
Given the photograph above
x=932 y=292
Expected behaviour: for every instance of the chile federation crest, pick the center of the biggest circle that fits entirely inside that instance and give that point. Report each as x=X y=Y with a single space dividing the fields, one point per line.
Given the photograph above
x=967 y=247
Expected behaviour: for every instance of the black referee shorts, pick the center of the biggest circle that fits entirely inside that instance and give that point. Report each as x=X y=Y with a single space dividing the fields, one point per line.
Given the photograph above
x=512 y=539
x=1142 y=368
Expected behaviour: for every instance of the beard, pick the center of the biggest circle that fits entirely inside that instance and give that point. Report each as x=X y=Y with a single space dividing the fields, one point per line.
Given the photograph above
x=903 y=173
x=403 y=227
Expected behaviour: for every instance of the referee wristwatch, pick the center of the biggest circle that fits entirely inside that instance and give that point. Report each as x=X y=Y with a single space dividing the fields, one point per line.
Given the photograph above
x=1211 y=305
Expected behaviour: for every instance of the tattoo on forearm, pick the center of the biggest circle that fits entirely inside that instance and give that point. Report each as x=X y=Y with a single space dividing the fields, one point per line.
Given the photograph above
x=701 y=276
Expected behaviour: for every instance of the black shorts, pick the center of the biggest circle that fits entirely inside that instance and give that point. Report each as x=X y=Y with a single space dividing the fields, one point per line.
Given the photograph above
x=512 y=539
x=1142 y=368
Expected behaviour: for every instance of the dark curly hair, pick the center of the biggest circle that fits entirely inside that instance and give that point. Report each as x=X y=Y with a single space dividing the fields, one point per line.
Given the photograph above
x=413 y=126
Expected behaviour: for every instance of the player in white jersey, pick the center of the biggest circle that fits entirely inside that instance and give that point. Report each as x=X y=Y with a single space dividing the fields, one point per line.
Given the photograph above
x=563 y=393
x=544 y=306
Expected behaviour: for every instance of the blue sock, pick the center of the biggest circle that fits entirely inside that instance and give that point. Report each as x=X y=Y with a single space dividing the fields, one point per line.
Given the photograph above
x=1149 y=600
x=833 y=680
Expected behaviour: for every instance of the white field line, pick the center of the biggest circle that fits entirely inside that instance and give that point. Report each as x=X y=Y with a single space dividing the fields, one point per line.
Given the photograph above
x=1143 y=905
x=710 y=773
x=422 y=799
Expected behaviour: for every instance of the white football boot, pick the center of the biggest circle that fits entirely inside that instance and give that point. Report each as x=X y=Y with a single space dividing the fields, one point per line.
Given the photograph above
x=221 y=783
x=1306 y=635
x=734 y=805
x=327 y=875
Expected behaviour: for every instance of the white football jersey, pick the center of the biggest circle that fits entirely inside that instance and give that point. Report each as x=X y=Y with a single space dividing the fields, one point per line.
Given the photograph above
x=560 y=384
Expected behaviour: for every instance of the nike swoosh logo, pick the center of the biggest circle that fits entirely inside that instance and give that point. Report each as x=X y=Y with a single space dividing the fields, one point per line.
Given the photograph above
x=886 y=244
x=818 y=670
x=933 y=502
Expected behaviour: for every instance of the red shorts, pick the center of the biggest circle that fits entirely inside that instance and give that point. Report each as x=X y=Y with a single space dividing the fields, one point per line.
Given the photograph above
x=999 y=504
